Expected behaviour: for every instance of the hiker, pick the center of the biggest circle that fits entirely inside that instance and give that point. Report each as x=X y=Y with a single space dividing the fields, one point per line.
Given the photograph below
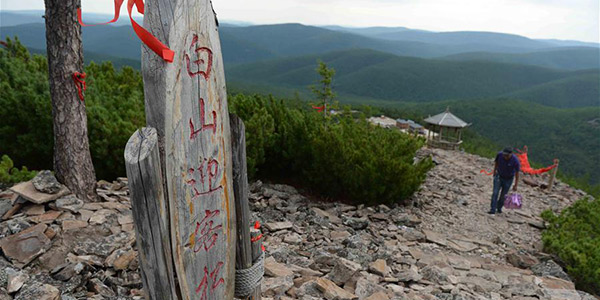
x=506 y=168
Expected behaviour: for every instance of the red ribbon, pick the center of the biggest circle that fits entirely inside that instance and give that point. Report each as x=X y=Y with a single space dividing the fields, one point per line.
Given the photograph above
x=319 y=108
x=79 y=79
x=146 y=37
x=525 y=165
x=486 y=172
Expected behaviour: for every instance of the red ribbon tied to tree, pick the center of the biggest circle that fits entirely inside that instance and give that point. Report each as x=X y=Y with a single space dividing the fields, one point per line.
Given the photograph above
x=79 y=79
x=319 y=108
x=146 y=37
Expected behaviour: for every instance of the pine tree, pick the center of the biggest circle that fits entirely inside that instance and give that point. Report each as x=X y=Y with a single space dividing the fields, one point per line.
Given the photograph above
x=72 y=160
x=324 y=91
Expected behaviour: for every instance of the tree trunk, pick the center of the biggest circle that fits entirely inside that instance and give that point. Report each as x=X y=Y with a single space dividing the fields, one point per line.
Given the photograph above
x=72 y=160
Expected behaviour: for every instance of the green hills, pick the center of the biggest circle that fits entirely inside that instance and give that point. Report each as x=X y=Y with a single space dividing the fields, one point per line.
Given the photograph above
x=371 y=74
x=572 y=135
x=568 y=58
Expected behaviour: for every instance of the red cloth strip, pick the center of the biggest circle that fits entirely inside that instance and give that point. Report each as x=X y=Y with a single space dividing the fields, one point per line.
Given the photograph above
x=486 y=172
x=526 y=167
x=319 y=108
x=146 y=37
x=79 y=79
x=118 y=4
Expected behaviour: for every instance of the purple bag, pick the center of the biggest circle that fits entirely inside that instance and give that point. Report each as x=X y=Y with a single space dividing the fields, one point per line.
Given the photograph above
x=513 y=201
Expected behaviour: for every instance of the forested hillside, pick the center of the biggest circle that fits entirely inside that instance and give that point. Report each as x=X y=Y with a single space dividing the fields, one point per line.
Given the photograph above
x=572 y=135
x=377 y=75
x=576 y=58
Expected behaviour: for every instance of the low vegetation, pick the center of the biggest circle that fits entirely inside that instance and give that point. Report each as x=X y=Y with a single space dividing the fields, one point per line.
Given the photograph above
x=336 y=156
x=114 y=101
x=9 y=174
x=574 y=236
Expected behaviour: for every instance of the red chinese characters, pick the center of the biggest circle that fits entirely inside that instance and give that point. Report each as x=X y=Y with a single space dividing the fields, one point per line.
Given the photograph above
x=210 y=168
x=199 y=62
x=214 y=277
x=205 y=180
x=206 y=232
x=203 y=125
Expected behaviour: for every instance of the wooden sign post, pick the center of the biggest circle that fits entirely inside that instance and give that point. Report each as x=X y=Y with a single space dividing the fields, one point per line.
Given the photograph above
x=186 y=101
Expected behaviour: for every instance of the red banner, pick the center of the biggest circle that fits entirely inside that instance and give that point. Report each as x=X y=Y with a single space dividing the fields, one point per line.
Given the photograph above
x=525 y=165
x=146 y=37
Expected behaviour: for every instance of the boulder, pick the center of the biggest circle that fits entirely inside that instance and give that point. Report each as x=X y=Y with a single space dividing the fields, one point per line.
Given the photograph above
x=356 y=223
x=277 y=226
x=379 y=267
x=343 y=270
x=366 y=288
x=69 y=203
x=549 y=268
x=275 y=269
x=333 y=292
x=45 y=182
x=26 y=245
x=121 y=258
x=435 y=274
x=30 y=193
x=16 y=281
x=521 y=259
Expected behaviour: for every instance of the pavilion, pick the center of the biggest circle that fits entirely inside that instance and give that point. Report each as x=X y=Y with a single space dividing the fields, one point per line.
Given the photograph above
x=449 y=130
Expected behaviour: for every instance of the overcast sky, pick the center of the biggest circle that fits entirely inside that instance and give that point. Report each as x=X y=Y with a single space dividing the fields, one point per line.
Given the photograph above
x=560 y=19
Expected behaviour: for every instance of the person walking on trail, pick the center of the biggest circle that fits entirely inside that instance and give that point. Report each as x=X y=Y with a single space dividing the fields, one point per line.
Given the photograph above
x=506 y=168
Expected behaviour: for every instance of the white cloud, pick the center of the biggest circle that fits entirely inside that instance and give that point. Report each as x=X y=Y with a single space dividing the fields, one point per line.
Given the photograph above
x=562 y=19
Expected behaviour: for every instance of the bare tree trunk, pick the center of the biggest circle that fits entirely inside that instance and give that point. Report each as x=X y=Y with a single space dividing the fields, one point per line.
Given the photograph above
x=72 y=159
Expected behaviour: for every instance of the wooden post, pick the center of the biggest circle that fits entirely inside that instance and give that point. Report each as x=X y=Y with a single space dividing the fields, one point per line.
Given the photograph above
x=240 y=191
x=257 y=251
x=149 y=206
x=553 y=175
x=186 y=101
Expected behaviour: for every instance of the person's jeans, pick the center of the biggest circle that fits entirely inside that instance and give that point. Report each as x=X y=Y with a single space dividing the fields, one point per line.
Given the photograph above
x=501 y=186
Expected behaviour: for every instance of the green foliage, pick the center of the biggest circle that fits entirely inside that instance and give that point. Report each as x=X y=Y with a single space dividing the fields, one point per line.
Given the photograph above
x=574 y=236
x=337 y=157
x=25 y=109
x=570 y=135
x=323 y=91
x=114 y=102
x=9 y=174
x=570 y=58
x=377 y=75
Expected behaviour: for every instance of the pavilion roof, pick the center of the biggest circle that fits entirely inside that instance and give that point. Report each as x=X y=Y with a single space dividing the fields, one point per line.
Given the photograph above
x=447 y=119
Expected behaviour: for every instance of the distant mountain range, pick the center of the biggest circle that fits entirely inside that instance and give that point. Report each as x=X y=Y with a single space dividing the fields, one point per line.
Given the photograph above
x=385 y=63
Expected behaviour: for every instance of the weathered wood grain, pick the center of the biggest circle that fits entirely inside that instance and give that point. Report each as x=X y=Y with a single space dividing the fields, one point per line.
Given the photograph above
x=240 y=191
x=187 y=102
x=149 y=206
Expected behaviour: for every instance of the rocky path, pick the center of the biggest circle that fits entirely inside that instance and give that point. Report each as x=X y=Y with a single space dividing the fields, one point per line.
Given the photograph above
x=444 y=246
